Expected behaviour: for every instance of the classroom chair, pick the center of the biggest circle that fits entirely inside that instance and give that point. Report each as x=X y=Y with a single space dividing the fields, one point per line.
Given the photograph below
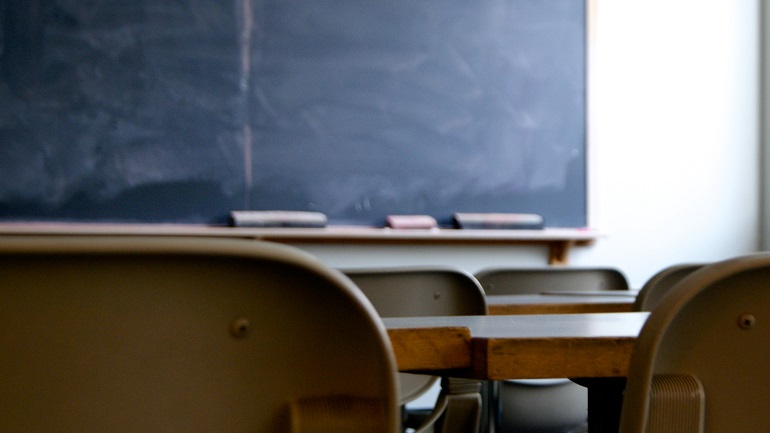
x=700 y=362
x=659 y=284
x=429 y=291
x=544 y=405
x=150 y=334
x=520 y=281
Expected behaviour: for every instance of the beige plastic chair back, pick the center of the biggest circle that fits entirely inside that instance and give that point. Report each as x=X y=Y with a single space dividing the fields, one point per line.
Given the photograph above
x=144 y=334
x=520 y=281
x=416 y=292
x=659 y=284
x=701 y=361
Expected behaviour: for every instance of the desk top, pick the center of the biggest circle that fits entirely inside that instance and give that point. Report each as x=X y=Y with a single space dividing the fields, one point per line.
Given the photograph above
x=567 y=303
x=518 y=347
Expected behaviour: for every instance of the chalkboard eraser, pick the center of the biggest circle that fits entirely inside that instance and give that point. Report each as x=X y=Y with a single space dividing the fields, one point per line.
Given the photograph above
x=271 y=218
x=498 y=221
x=411 y=222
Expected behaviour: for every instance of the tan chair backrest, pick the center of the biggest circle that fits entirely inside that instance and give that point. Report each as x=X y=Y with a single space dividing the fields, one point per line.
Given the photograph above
x=659 y=284
x=146 y=334
x=518 y=281
x=701 y=360
x=417 y=292
x=420 y=291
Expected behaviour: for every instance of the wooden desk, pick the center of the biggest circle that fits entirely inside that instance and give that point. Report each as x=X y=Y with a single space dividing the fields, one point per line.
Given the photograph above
x=593 y=349
x=518 y=346
x=561 y=304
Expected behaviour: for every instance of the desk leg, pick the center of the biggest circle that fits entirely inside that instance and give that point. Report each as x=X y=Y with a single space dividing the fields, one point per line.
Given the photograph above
x=605 y=400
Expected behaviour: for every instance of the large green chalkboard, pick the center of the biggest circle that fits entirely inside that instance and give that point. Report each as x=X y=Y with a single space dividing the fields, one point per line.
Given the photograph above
x=182 y=110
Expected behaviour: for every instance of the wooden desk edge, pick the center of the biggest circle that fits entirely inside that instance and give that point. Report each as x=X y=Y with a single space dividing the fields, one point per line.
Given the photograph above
x=539 y=358
x=440 y=348
x=576 y=308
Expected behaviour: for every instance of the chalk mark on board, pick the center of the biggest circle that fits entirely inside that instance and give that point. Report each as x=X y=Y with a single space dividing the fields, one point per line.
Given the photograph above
x=246 y=23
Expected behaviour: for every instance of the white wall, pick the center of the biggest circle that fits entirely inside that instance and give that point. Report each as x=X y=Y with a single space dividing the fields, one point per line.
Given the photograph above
x=765 y=116
x=676 y=132
x=674 y=144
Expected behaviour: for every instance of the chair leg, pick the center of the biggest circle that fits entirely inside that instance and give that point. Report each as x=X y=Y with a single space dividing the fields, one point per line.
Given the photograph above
x=458 y=409
x=463 y=414
x=605 y=400
x=464 y=406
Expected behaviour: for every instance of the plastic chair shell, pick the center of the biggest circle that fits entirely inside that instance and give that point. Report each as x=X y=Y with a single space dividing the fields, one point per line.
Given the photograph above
x=130 y=334
x=416 y=292
x=711 y=326
x=659 y=284
x=520 y=281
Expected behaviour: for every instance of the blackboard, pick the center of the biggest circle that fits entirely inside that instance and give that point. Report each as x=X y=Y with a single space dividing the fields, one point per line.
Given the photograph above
x=183 y=110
